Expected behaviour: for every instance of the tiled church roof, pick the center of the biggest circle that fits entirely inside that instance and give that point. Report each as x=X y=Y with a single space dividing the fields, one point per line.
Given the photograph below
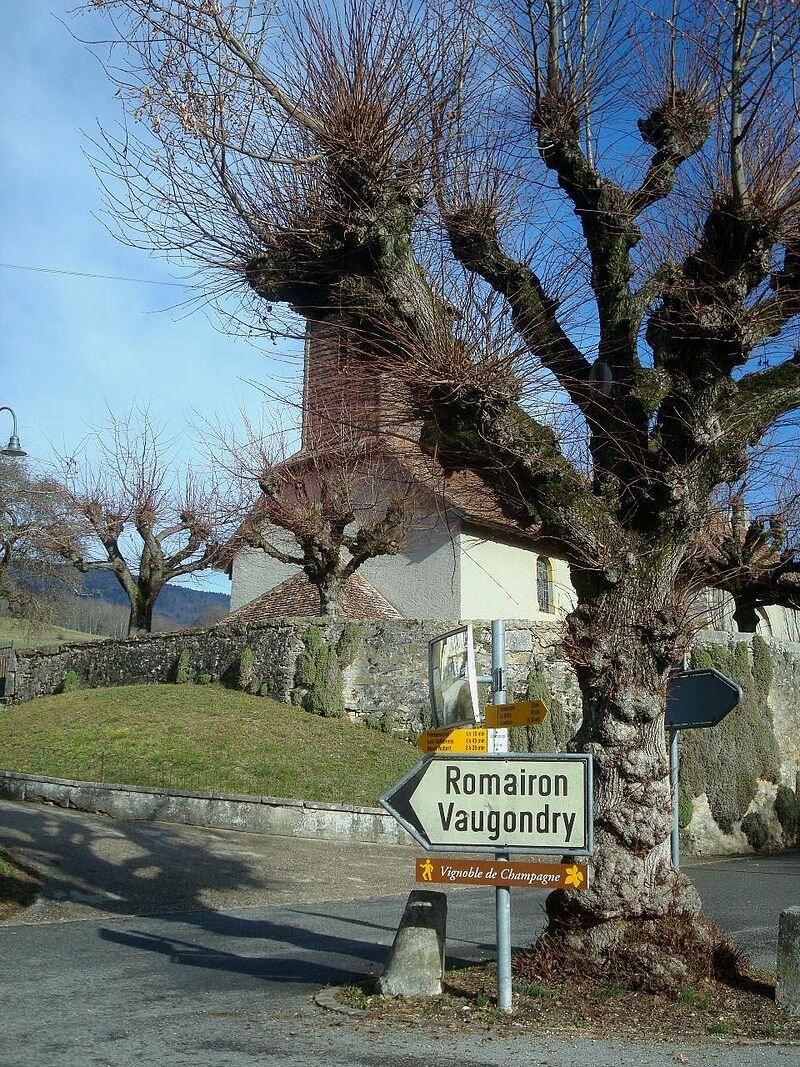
x=298 y=597
x=474 y=499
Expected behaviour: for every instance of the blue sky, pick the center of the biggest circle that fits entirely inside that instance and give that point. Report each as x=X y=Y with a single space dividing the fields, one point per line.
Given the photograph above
x=72 y=347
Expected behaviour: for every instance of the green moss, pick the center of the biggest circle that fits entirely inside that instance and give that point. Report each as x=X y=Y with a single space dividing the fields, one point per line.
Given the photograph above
x=348 y=644
x=685 y=808
x=71 y=682
x=551 y=735
x=762 y=664
x=650 y=388
x=182 y=668
x=702 y=658
x=787 y=810
x=726 y=762
x=246 y=669
x=318 y=673
x=755 y=829
x=305 y=670
x=387 y=723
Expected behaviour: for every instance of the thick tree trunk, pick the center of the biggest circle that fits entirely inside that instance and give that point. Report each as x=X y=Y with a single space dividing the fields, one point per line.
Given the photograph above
x=140 y=620
x=330 y=595
x=639 y=920
x=745 y=616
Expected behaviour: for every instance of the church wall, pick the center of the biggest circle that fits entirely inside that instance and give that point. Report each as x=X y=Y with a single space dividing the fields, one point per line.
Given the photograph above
x=498 y=580
x=422 y=582
x=255 y=573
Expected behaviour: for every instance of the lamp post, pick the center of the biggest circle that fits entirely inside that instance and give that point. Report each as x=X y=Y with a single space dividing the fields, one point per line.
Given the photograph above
x=12 y=448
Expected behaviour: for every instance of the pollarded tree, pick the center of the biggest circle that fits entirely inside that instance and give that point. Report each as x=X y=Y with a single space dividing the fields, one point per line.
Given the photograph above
x=752 y=557
x=625 y=179
x=130 y=511
x=326 y=509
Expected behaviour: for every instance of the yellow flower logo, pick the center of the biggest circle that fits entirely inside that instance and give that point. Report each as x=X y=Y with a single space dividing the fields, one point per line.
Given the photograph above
x=574 y=876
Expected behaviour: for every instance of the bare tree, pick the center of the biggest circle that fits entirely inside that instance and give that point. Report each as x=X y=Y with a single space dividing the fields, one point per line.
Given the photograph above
x=326 y=509
x=131 y=512
x=752 y=558
x=30 y=506
x=625 y=180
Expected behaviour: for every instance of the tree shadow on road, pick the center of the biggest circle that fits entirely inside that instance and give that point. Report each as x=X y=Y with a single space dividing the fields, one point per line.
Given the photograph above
x=269 y=966
x=120 y=867
x=127 y=868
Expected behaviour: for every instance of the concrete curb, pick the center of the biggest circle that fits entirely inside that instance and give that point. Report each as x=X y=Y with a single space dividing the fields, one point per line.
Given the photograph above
x=221 y=811
x=328 y=999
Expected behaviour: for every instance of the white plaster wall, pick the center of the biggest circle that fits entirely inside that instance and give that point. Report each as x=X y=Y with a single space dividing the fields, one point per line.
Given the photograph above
x=498 y=581
x=254 y=573
x=423 y=581
x=782 y=623
x=442 y=574
x=773 y=621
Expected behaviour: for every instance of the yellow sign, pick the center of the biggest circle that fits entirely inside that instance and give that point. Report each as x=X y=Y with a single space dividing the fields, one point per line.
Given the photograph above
x=523 y=713
x=447 y=739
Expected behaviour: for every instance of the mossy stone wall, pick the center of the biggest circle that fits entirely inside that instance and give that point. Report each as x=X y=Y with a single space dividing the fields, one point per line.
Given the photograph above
x=377 y=671
x=727 y=761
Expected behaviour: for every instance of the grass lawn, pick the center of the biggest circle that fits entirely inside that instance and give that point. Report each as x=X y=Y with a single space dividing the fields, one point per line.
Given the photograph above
x=200 y=737
x=23 y=635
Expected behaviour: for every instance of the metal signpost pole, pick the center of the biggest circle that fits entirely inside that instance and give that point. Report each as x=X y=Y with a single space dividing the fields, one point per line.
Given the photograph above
x=502 y=893
x=675 y=836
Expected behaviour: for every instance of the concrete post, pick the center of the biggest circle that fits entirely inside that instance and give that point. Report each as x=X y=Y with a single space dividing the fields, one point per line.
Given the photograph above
x=416 y=962
x=787 y=990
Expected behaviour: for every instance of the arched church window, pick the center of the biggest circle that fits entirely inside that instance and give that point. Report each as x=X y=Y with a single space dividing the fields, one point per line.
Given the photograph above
x=544 y=584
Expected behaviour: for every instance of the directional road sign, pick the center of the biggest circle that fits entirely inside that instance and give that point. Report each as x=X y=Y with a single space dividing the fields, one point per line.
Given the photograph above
x=523 y=713
x=497 y=803
x=699 y=698
x=454 y=739
x=503 y=872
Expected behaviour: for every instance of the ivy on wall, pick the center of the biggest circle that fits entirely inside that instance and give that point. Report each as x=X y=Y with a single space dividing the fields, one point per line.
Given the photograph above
x=319 y=685
x=727 y=761
x=552 y=734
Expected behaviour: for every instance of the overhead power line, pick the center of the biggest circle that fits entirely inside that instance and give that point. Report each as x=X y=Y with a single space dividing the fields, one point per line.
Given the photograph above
x=87 y=274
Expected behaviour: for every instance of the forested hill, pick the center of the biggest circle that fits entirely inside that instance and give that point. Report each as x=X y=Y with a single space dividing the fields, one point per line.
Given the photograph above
x=177 y=604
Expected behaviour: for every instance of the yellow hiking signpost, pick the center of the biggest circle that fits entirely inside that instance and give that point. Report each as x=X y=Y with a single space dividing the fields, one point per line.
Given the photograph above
x=447 y=739
x=475 y=738
x=522 y=713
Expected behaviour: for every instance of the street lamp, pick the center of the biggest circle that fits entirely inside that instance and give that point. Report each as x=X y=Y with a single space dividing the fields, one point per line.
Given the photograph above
x=12 y=448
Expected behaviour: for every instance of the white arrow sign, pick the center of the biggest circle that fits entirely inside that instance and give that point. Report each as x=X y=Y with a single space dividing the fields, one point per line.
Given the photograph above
x=502 y=802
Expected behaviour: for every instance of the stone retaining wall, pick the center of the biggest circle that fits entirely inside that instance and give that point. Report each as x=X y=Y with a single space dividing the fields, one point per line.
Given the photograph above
x=387 y=677
x=221 y=811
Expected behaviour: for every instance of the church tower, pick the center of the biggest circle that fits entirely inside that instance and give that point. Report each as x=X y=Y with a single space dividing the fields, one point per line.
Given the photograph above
x=344 y=394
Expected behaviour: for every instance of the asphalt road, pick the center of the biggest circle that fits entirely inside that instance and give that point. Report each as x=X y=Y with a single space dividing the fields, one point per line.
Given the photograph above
x=165 y=945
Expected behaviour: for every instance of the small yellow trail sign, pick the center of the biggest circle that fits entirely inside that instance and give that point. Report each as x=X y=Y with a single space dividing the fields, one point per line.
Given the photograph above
x=523 y=713
x=460 y=739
